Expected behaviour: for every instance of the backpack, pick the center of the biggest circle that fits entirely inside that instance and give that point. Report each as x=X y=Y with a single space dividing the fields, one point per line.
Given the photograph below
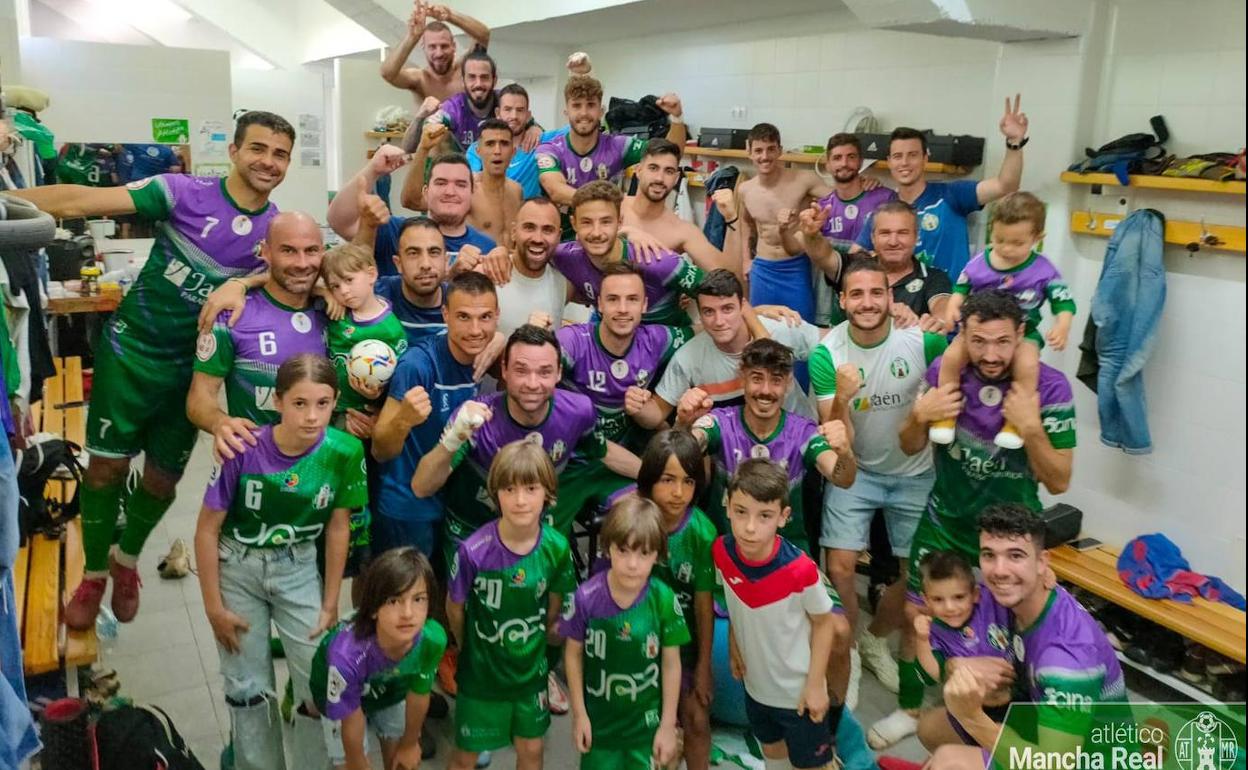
x=141 y=738
x=45 y=457
x=1130 y=154
x=643 y=118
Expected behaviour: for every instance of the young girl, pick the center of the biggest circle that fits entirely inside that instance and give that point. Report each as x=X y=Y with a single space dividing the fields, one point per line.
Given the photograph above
x=1011 y=263
x=377 y=670
x=673 y=476
x=508 y=582
x=255 y=544
x=622 y=655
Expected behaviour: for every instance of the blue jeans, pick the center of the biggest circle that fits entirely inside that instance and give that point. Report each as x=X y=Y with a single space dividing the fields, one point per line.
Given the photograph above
x=389 y=725
x=847 y=513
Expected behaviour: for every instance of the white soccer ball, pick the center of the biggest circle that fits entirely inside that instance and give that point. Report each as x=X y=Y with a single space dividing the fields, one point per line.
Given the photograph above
x=373 y=362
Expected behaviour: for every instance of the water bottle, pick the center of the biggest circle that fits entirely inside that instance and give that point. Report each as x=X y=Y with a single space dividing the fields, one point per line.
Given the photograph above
x=106 y=630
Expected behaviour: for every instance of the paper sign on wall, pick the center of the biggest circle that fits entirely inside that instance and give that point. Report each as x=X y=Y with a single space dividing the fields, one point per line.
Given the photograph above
x=310 y=140
x=212 y=141
x=171 y=130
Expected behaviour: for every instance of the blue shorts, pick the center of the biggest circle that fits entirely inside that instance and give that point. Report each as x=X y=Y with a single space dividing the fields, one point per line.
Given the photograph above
x=847 y=513
x=783 y=282
x=810 y=744
x=388 y=723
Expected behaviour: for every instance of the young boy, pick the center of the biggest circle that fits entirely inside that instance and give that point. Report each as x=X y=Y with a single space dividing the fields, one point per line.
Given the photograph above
x=784 y=621
x=1010 y=263
x=507 y=584
x=624 y=631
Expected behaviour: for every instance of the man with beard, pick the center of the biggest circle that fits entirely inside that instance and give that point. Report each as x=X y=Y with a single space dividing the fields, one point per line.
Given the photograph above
x=443 y=78
x=831 y=224
x=210 y=232
x=464 y=112
x=495 y=198
x=657 y=175
x=513 y=109
x=866 y=372
x=586 y=153
x=606 y=360
x=972 y=473
x=534 y=289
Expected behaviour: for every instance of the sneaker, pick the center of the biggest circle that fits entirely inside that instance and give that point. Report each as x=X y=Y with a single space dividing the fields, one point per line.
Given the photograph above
x=484 y=759
x=84 y=606
x=1008 y=438
x=556 y=695
x=446 y=671
x=891 y=729
x=126 y=583
x=177 y=563
x=855 y=679
x=438 y=707
x=878 y=658
x=941 y=432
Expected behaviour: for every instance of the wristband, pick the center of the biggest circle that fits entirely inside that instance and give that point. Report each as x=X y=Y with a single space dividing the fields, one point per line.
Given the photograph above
x=675 y=119
x=731 y=222
x=1021 y=143
x=450 y=440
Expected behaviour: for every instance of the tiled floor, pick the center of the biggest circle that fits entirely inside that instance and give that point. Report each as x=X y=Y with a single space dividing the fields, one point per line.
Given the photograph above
x=168 y=657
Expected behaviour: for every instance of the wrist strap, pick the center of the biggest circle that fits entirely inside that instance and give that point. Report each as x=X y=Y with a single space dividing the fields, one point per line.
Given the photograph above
x=677 y=119
x=450 y=440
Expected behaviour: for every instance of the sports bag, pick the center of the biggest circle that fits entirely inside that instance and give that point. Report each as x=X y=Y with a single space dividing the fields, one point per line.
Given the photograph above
x=1130 y=154
x=642 y=118
x=46 y=455
x=141 y=738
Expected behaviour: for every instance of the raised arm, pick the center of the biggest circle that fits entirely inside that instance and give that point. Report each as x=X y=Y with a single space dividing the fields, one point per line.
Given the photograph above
x=676 y=132
x=943 y=403
x=474 y=28
x=344 y=210
x=393 y=70
x=398 y=417
x=1014 y=129
x=554 y=183
x=413 y=195
x=67 y=201
x=1052 y=466
x=436 y=466
x=703 y=252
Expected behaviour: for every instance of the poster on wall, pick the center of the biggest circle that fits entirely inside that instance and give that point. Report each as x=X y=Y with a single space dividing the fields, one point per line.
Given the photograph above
x=212 y=141
x=310 y=140
x=171 y=130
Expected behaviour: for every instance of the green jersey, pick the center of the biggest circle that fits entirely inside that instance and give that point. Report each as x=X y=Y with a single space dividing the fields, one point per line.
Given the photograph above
x=273 y=499
x=350 y=673
x=688 y=569
x=346 y=333
x=505 y=597
x=623 y=666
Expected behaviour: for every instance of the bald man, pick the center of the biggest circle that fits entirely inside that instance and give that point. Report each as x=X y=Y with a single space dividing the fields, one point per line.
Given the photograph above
x=209 y=235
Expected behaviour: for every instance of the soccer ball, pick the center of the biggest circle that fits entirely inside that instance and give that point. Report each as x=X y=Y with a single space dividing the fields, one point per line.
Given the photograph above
x=372 y=361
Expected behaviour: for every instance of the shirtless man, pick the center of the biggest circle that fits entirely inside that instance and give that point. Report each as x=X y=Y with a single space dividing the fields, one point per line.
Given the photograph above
x=443 y=78
x=657 y=175
x=775 y=277
x=495 y=198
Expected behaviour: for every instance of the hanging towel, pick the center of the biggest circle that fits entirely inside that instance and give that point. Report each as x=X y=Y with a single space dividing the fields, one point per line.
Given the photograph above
x=1154 y=567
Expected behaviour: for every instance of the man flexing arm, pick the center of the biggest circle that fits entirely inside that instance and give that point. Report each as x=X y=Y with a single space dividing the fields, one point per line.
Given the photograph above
x=442 y=79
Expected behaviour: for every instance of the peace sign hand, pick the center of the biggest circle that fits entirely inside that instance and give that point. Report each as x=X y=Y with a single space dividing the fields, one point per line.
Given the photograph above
x=1014 y=122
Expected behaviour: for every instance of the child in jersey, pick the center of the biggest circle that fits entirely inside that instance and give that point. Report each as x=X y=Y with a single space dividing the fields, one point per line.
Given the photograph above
x=672 y=474
x=1010 y=263
x=785 y=621
x=255 y=543
x=508 y=581
x=623 y=634
x=377 y=669
x=966 y=622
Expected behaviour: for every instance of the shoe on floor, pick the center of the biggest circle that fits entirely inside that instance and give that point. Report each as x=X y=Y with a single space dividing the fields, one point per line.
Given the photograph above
x=556 y=695
x=177 y=563
x=84 y=605
x=855 y=680
x=126 y=584
x=891 y=729
x=446 y=671
x=877 y=657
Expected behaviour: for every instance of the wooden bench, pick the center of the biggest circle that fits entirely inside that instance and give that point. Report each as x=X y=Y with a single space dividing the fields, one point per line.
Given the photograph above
x=1217 y=626
x=48 y=570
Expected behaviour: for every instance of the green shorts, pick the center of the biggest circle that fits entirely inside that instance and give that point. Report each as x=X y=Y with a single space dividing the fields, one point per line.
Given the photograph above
x=586 y=486
x=139 y=405
x=929 y=537
x=485 y=725
x=618 y=759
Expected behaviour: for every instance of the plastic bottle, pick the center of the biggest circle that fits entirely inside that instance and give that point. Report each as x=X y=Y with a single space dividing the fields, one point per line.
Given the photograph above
x=106 y=629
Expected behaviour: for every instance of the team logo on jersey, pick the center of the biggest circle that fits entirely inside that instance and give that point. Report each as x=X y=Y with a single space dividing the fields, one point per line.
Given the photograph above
x=899 y=368
x=347 y=331
x=619 y=368
x=517 y=577
x=301 y=322
x=760 y=452
x=990 y=395
x=997 y=637
x=652 y=645
x=556 y=451
x=626 y=632
x=602 y=171
x=587 y=164
x=241 y=225
x=291 y=482
x=914 y=286
x=322 y=497
x=929 y=221
x=968 y=635
x=206 y=346
x=851 y=211
x=335 y=685
x=534 y=438
x=545 y=161
x=1020 y=649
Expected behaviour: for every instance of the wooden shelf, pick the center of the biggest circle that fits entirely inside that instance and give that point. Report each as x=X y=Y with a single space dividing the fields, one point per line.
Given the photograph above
x=814 y=158
x=1180 y=184
x=1178 y=233
x=384 y=134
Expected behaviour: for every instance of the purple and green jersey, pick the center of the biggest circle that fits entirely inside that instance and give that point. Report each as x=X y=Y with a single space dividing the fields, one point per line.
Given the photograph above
x=795 y=444
x=346 y=333
x=248 y=355
x=1032 y=283
x=271 y=499
x=589 y=369
x=689 y=569
x=611 y=155
x=985 y=634
x=505 y=596
x=350 y=673
x=623 y=657
x=458 y=116
x=203 y=238
x=849 y=216
x=666 y=278
x=568 y=430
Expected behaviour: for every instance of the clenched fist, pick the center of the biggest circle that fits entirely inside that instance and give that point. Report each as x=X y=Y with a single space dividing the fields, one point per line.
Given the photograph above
x=635 y=399
x=416 y=406
x=693 y=404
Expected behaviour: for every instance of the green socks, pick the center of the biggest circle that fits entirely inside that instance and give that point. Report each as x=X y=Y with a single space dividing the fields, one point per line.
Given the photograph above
x=910 y=692
x=100 y=508
x=143 y=512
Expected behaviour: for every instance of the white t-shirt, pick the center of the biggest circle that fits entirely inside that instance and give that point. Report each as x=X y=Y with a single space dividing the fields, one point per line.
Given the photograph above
x=522 y=295
x=700 y=364
x=892 y=374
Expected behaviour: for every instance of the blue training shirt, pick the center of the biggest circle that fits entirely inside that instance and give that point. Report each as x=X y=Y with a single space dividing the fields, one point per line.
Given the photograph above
x=523 y=167
x=942 y=210
x=418 y=322
x=387 y=244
